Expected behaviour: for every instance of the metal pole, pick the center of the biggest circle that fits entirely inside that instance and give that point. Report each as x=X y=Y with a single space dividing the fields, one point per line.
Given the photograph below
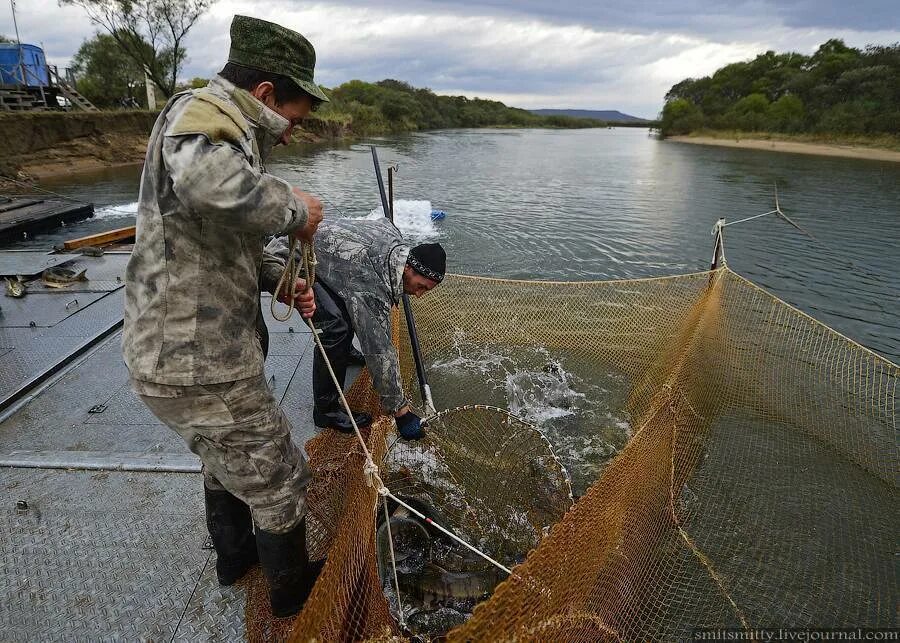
x=424 y=389
x=391 y=190
x=12 y=4
x=384 y=202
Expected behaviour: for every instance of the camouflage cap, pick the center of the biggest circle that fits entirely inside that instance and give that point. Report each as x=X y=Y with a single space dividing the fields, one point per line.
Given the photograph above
x=265 y=46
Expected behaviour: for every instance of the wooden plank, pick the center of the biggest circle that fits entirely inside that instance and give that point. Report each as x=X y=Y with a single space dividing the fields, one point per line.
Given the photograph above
x=101 y=239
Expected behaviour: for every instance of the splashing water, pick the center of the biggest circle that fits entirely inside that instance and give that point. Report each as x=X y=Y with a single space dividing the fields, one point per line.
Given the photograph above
x=122 y=211
x=542 y=396
x=578 y=410
x=413 y=218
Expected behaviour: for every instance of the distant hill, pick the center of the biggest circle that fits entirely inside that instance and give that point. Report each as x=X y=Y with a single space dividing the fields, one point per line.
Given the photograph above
x=609 y=115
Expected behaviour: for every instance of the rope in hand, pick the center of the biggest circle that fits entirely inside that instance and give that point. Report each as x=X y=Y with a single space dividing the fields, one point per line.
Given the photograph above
x=287 y=283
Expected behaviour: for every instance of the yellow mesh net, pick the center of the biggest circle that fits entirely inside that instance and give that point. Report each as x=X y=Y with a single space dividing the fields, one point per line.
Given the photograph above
x=737 y=459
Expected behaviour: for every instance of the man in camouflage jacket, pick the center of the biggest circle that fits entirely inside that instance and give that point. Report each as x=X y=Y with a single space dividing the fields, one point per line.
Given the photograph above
x=363 y=268
x=192 y=297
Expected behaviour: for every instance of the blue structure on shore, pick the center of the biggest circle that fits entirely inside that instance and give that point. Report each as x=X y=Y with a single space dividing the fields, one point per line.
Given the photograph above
x=30 y=70
x=27 y=82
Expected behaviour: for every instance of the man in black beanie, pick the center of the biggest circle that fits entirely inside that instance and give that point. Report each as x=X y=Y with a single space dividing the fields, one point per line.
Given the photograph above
x=363 y=269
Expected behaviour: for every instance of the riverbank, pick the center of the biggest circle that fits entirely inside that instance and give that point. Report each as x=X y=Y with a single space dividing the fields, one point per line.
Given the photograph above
x=39 y=145
x=883 y=148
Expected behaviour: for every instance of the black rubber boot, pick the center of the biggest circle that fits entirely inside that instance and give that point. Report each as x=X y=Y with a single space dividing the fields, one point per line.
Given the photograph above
x=340 y=421
x=336 y=334
x=286 y=563
x=231 y=529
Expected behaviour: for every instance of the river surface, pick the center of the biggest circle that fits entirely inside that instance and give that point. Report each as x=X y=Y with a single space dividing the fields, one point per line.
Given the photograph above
x=600 y=204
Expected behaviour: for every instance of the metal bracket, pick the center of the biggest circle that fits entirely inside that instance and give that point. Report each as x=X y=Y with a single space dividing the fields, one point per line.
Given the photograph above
x=718 y=258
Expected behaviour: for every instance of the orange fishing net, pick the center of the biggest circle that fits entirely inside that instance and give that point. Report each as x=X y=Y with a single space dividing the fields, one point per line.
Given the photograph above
x=755 y=484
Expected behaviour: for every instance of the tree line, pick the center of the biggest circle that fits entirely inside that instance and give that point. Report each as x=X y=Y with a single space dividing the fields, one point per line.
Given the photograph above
x=836 y=90
x=393 y=105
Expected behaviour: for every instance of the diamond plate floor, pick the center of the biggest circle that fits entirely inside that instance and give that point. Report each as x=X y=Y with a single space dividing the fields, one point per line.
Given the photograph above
x=48 y=324
x=113 y=555
x=100 y=556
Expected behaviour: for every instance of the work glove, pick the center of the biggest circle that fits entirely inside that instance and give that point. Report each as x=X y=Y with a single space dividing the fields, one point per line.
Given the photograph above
x=410 y=426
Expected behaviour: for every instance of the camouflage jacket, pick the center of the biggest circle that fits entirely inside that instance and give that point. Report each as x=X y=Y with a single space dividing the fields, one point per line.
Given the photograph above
x=362 y=263
x=205 y=209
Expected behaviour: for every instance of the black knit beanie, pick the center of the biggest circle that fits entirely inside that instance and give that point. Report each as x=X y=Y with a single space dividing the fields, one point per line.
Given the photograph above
x=429 y=260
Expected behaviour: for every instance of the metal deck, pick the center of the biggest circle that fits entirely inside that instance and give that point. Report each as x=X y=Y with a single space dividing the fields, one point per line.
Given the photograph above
x=110 y=543
x=21 y=216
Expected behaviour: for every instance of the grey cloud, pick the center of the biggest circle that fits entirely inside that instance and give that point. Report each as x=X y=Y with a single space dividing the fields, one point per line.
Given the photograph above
x=616 y=56
x=710 y=18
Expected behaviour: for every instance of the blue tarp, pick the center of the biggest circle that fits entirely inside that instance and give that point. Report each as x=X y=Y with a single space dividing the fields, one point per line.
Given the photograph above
x=33 y=60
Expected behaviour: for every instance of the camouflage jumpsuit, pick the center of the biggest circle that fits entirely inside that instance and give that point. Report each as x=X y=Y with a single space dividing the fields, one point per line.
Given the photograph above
x=360 y=269
x=192 y=295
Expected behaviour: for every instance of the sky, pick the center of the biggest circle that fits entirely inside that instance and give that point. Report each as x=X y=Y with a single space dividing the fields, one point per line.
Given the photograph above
x=526 y=53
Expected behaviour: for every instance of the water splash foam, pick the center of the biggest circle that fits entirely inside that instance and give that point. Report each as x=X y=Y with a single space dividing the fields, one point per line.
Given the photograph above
x=412 y=217
x=121 y=211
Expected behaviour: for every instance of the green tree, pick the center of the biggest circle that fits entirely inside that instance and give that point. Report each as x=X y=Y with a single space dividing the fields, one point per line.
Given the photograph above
x=193 y=83
x=837 y=89
x=749 y=113
x=5 y=39
x=787 y=114
x=680 y=116
x=105 y=74
x=387 y=105
x=150 y=32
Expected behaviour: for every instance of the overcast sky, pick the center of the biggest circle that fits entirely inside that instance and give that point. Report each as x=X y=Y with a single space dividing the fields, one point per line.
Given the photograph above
x=526 y=53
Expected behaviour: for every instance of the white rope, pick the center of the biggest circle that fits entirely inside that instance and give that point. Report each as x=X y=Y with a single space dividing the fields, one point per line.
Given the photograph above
x=386 y=492
x=292 y=272
x=387 y=520
x=755 y=216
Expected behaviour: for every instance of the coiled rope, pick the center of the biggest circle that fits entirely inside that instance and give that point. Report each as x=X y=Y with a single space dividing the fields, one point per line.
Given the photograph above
x=291 y=273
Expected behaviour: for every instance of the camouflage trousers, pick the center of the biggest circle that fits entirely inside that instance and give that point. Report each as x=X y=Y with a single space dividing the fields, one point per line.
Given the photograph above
x=244 y=442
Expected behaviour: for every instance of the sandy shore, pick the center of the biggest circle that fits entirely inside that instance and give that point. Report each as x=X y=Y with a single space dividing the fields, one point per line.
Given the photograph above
x=820 y=149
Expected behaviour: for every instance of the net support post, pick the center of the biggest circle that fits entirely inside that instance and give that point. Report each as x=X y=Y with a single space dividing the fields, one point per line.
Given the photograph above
x=718 y=259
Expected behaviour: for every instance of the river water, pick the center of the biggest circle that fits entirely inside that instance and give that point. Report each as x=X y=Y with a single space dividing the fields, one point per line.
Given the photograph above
x=609 y=203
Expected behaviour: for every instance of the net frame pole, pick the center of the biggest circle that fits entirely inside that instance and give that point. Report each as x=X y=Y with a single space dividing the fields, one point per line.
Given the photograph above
x=391 y=190
x=424 y=389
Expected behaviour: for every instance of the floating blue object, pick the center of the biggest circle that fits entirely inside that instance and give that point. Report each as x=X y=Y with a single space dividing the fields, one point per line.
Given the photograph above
x=437 y=215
